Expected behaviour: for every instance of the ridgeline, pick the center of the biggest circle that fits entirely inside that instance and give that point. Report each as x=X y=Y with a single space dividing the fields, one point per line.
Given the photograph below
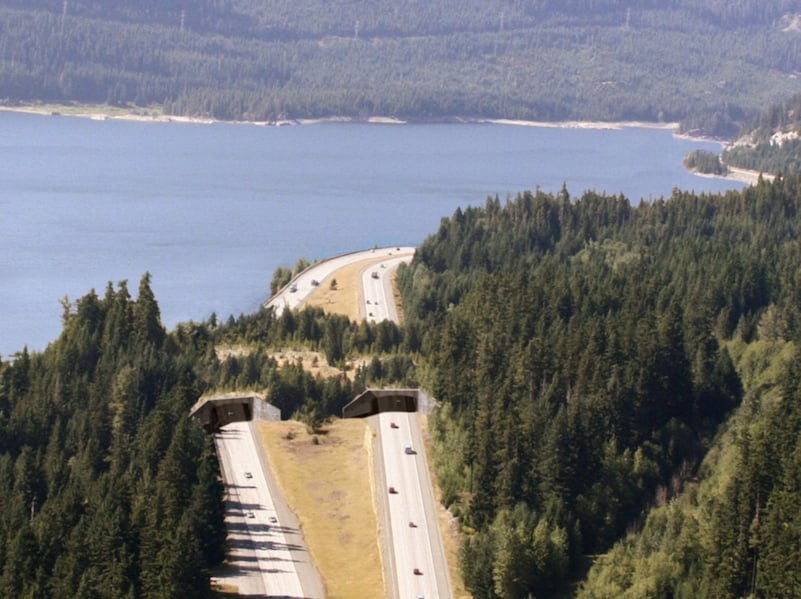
x=710 y=65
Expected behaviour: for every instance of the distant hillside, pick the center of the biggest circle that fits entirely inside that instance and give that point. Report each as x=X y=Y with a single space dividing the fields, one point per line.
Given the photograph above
x=772 y=144
x=709 y=64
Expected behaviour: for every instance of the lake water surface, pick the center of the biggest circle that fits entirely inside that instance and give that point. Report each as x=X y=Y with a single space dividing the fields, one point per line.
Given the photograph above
x=211 y=210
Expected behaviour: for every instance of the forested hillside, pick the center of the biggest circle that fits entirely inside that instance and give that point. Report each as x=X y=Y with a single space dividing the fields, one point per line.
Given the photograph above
x=710 y=64
x=735 y=533
x=603 y=369
x=584 y=350
x=772 y=144
x=107 y=489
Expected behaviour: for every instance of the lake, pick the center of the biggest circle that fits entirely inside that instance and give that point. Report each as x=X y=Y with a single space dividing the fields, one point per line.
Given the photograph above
x=211 y=210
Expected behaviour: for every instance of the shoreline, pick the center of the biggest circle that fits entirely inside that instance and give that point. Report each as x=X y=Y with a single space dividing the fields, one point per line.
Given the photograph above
x=738 y=174
x=154 y=115
x=102 y=113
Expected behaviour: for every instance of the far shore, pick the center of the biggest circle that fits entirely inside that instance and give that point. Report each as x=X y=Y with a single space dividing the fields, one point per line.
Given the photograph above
x=155 y=115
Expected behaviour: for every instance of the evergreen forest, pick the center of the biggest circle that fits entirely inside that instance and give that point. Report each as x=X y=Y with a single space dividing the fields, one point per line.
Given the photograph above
x=618 y=387
x=618 y=378
x=710 y=64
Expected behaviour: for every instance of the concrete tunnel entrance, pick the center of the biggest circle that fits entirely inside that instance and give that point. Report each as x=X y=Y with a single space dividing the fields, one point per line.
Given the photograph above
x=374 y=401
x=215 y=411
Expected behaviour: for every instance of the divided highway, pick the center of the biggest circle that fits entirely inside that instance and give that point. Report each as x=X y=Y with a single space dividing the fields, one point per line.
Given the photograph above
x=319 y=271
x=265 y=538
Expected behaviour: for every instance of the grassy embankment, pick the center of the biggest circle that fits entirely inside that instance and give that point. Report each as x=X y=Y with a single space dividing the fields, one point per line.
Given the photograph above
x=327 y=483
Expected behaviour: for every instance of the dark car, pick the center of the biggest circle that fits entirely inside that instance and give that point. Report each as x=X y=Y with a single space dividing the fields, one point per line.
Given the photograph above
x=393 y=491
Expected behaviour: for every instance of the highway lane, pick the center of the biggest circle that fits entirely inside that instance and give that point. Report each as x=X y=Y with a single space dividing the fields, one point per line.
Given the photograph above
x=266 y=547
x=379 y=302
x=320 y=271
x=411 y=546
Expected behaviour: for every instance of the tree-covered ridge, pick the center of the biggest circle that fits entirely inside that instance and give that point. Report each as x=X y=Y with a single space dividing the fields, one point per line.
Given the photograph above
x=107 y=489
x=736 y=533
x=579 y=347
x=718 y=62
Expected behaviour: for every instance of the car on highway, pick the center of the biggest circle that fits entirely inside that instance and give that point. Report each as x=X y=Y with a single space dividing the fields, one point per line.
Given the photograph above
x=248 y=475
x=417 y=572
x=273 y=519
x=251 y=515
x=393 y=425
x=409 y=450
x=412 y=524
x=315 y=282
x=393 y=491
x=374 y=275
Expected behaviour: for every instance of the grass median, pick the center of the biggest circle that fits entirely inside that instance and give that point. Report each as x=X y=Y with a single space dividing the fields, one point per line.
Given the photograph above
x=326 y=481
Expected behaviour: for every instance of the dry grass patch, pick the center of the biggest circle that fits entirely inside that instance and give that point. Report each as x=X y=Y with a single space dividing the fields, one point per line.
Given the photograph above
x=312 y=361
x=346 y=299
x=315 y=363
x=231 y=351
x=327 y=484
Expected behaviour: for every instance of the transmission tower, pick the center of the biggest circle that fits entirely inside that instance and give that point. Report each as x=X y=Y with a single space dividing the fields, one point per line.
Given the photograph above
x=63 y=17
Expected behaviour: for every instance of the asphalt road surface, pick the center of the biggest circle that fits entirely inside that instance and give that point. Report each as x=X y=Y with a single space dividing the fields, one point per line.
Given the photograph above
x=379 y=303
x=417 y=557
x=266 y=547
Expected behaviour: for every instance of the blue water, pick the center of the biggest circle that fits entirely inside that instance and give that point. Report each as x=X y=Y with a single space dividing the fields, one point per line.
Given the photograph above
x=211 y=210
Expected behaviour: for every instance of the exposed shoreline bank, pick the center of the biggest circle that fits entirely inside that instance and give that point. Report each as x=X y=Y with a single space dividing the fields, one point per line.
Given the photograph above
x=154 y=115
x=100 y=112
